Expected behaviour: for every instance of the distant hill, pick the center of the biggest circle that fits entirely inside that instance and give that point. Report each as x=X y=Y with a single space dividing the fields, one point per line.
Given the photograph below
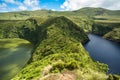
x=86 y=18
x=88 y=11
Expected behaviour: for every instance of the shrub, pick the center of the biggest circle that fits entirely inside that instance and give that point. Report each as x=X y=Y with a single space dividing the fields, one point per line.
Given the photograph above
x=58 y=67
x=72 y=65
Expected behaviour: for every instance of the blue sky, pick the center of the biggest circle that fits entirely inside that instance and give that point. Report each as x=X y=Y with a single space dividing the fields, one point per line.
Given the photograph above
x=51 y=4
x=20 y=5
x=58 y=5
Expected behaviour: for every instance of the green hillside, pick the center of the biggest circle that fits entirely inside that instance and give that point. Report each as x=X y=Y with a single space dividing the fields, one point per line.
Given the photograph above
x=113 y=35
x=60 y=50
x=57 y=38
x=103 y=28
x=97 y=13
x=84 y=17
x=25 y=29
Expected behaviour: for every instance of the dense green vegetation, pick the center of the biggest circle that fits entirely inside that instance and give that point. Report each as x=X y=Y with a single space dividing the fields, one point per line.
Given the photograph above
x=58 y=40
x=113 y=35
x=25 y=29
x=109 y=30
x=93 y=12
x=102 y=28
x=59 y=50
x=60 y=32
x=99 y=18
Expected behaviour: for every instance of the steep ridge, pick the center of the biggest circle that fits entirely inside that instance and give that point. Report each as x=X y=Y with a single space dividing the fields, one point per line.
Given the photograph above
x=59 y=51
x=25 y=29
x=58 y=31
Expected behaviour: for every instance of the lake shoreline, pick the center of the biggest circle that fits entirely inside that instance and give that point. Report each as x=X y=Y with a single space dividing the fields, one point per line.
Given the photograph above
x=102 y=51
x=14 y=55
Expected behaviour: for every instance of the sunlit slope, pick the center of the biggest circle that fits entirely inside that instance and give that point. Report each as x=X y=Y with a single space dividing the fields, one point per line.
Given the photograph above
x=113 y=35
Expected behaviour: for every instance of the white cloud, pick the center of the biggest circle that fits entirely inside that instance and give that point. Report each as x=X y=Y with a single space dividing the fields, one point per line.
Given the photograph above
x=35 y=8
x=13 y=2
x=77 y=4
x=53 y=9
x=22 y=8
x=3 y=6
x=9 y=1
x=25 y=5
x=33 y=4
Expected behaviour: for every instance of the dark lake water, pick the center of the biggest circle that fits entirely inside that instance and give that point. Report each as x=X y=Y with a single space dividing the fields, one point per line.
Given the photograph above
x=104 y=51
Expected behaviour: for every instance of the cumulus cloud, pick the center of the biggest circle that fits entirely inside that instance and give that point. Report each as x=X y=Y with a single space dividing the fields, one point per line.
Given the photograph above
x=22 y=8
x=33 y=4
x=24 y=5
x=77 y=4
x=9 y=1
x=15 y=2
x=53 y=9
x=3 y=6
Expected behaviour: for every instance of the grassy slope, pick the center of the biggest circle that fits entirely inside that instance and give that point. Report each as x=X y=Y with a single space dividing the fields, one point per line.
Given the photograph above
x=113 y=35
x=25 y=29
x=106 y=22
x=93 y=12
x=80 y=17
x=60 y=49
x=79 y=20
x=108 y=29
x=102 y=28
